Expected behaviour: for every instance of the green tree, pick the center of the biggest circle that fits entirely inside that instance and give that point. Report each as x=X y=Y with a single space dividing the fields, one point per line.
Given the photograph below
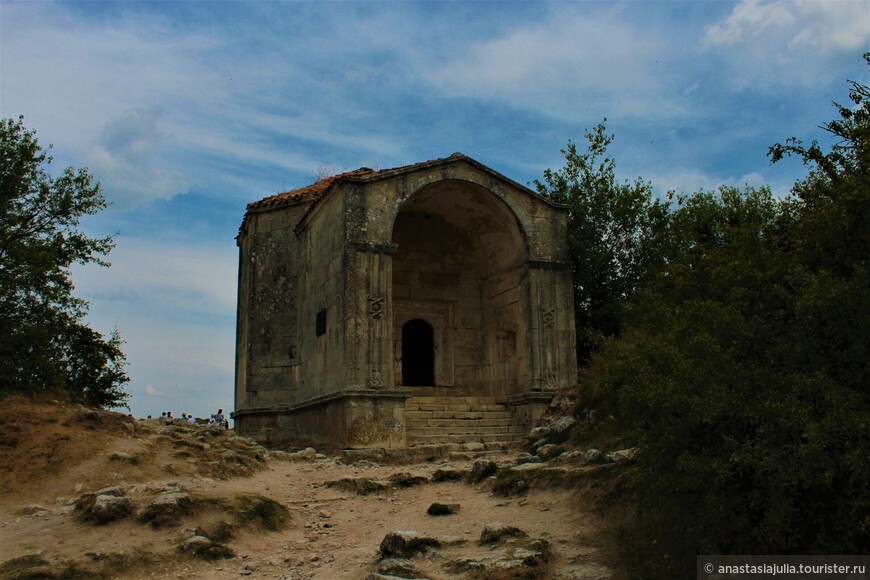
x=744 y=372
x=44 y=341
x=613 y=230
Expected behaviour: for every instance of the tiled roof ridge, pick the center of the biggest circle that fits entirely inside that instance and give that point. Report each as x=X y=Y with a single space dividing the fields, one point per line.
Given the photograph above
x=315 y=192
x=319 y=188
x=366 y=174
x=312 y=191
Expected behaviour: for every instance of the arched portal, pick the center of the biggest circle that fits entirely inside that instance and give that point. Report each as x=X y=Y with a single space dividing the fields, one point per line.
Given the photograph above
x=418 y=353
x=462 y=262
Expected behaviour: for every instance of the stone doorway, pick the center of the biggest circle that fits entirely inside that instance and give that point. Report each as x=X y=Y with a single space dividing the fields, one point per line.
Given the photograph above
x=418 y=354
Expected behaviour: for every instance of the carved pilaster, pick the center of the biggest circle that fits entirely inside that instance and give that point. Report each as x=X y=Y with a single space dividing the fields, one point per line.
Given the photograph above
x=377 y=264
x=543 y=286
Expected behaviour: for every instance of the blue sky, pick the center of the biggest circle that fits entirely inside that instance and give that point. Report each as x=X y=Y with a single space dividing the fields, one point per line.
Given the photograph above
x=186 y=111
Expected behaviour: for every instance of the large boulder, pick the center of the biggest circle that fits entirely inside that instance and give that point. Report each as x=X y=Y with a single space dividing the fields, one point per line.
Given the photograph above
x=167 y=509
x=109 y=508
x=104 y=506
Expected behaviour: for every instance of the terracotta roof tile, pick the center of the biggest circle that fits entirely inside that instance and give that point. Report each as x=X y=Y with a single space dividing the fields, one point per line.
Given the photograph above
x=315 y=192
x=307 y=193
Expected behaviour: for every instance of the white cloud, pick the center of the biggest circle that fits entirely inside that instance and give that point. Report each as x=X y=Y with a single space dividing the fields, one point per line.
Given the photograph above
x=143 y=102
x=575 y=63
x=690 y=181
x=152 y=392
x=787 y=41
x=132 y=160
x=198 y=279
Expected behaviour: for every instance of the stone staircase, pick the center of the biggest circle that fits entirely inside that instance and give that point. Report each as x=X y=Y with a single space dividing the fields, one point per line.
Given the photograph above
x=457 y=420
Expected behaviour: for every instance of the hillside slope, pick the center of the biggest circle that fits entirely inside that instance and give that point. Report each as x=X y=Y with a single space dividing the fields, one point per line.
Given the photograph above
x=87 y=493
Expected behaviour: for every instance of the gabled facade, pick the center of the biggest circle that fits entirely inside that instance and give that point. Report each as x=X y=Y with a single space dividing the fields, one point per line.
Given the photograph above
x=371 y=290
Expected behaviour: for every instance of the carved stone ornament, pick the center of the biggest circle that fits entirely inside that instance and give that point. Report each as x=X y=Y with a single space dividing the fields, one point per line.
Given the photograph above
x=376 y=380
x=376 y=308
x=549 y=316
x=550 y=380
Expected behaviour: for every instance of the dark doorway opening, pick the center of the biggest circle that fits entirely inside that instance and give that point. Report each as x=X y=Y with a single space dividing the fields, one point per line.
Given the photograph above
x=418 y=354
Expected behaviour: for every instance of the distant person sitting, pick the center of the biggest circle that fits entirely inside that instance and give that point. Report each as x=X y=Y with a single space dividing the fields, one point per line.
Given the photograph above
x=191 y=419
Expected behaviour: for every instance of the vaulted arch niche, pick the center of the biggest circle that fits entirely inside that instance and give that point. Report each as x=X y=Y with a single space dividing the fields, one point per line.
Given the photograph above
x=462 y=266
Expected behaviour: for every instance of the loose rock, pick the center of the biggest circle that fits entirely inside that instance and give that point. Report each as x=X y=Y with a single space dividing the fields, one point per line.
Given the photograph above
x=405 y=543
x=443 y=509
x=406 y=479
x=526 y=458
x=109 y=508
x=448 y=473
x=167 y=509
x=622 y=455
x=593 y=456
x=307 y=454
x=482 y=469
x=202 y=547
x=548 y=451
x=494 y=531
x=563 y=424
x=398 y=567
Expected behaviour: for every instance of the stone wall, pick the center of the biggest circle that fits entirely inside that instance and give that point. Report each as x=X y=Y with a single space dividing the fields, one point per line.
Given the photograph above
x=269 y=277
x=322 y=292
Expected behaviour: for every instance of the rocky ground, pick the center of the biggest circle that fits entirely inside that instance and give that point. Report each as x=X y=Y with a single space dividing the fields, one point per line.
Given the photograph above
x=89 y=494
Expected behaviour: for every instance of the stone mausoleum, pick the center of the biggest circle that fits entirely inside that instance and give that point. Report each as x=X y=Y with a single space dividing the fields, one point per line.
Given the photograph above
x=426 y=304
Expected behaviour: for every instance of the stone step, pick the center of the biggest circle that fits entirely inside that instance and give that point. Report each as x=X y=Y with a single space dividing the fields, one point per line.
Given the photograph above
x=455 y=400
x=452 y=420
x=457 y=408
x=453 y=414
x=493 y=454
x=441 y=438
x=504 y=430
x=438 y=422
x=456 y=404
x=463 y=423
x=432 y=430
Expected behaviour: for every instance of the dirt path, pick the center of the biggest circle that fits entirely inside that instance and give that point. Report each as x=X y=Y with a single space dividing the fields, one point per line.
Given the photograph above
x=332 y=532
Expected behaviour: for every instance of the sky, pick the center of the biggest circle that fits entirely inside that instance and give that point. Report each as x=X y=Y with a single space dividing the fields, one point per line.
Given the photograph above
x=187 y=111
